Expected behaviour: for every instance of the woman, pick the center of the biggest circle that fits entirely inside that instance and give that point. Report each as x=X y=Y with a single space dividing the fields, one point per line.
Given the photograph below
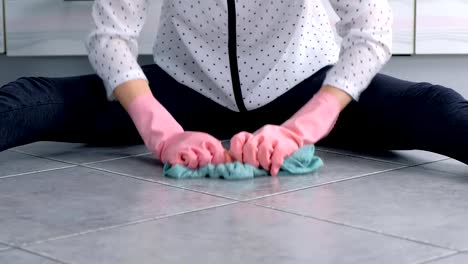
x=268 y=75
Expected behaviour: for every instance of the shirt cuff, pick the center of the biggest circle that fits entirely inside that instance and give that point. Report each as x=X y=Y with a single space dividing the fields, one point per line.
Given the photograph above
x=344 y=85
x=114 y=81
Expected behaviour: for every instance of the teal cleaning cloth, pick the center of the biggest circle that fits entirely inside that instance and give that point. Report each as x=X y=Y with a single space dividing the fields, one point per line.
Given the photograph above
x=303 y=161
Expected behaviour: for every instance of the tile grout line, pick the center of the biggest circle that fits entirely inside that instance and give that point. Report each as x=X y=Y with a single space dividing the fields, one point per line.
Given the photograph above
x=441 y=257
x=327 y=183
x=234 y=201
x=250 y=199
x=111 y=227
x=376 y=159
x=260 y=197
x=358 y=228
x=44 y=255
x=44 y=157
x=340 y=180
x=113 y=159
x=77 y=163
x=149 y=153
x=361 y=157
x=38 y=171
x=160 y=182
x=41 y=255
x=230 y=198
x=402 y=166
x=4 y=247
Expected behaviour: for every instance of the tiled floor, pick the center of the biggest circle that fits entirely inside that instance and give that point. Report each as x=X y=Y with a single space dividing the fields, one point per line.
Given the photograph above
x=69 y=203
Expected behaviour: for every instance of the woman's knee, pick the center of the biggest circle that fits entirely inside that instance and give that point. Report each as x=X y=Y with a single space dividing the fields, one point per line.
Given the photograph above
x=437 y=115
x=10 y=97
x=25 y=92
x=434 y=98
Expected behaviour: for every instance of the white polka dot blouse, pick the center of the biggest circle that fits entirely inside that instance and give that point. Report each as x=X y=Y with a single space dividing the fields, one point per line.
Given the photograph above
x=244 y=54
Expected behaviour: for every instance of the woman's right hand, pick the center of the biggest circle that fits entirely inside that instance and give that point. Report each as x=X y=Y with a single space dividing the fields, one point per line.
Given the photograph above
x=162 y=134
x=193 y=150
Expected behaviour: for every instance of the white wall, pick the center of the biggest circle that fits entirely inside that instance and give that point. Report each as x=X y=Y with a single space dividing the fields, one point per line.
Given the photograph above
x=442 y=27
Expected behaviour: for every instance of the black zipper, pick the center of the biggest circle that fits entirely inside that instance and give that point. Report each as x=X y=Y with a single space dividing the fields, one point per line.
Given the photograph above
x=232 y=47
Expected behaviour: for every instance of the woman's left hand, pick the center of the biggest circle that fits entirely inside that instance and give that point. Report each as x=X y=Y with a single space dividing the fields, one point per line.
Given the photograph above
x=267 y=147
x=270 y=145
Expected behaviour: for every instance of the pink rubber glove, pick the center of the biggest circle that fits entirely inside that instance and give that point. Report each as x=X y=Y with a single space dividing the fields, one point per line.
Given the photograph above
x=271 y=144
x=166 y=139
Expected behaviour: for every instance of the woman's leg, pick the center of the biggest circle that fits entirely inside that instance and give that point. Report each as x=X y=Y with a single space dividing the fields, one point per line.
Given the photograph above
x=75 y=109
x=399 y=114
x=391 y=114
x=68 y=109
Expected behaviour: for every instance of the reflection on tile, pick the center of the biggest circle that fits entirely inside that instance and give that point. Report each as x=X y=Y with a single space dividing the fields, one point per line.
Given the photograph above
x=236 y=234
x=15 y=163
x=80 y=153
x=44 y=205
x=456 y=259
x=449 y=166
x=409 y=157
x=21 y=257
x=416 y=203
x=336 y=167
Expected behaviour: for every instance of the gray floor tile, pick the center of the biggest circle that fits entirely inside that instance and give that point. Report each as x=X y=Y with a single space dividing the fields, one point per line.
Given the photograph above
x=43 y=205
x=80 y=153
x=456 y=259
x=21 y=257
x=416 y=203
x=450 y=166
x=410 y=157
x=3 y=247
x=16 y=163
x=336 y=167
x=236 y=234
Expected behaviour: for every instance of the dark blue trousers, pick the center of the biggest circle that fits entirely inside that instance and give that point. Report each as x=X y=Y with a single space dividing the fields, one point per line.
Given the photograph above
x=391 y=113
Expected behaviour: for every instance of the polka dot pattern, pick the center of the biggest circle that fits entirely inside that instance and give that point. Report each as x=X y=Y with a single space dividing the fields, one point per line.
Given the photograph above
x=279 y=44
x=113 y=45
x=366 y=29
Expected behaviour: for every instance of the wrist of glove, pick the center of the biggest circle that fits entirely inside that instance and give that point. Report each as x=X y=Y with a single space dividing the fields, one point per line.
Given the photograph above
x=153 y=122
x=316 y=119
